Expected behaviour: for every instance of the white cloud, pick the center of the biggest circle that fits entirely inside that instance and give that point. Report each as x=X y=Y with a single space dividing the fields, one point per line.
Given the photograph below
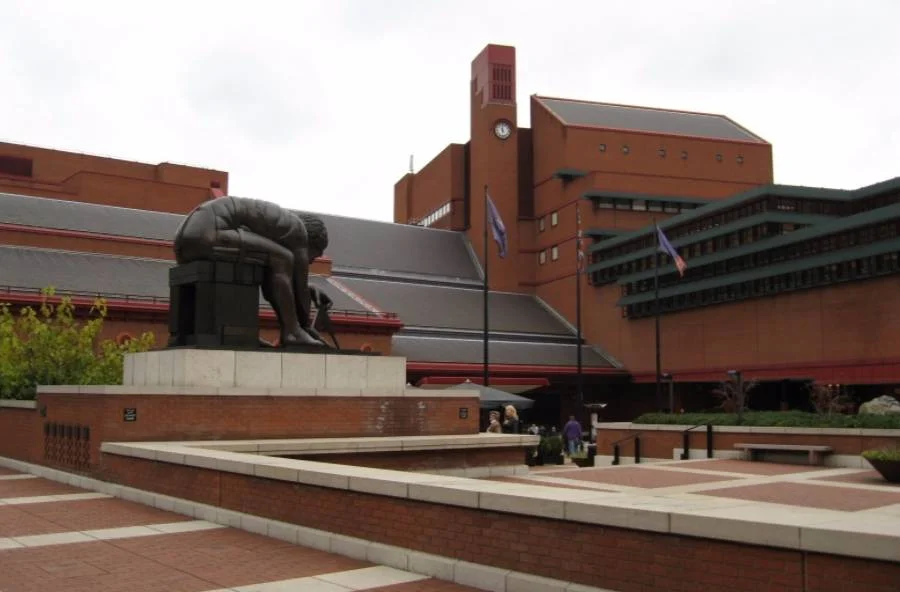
x=318 y=105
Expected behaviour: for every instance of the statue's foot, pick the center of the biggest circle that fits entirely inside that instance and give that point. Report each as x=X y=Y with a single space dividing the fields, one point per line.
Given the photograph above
x=300 y=337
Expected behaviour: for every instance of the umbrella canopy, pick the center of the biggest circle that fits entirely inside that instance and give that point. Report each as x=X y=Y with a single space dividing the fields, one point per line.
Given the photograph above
x=492 y=398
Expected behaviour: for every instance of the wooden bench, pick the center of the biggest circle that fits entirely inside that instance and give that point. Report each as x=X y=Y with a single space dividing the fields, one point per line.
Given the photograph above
x=816 y=454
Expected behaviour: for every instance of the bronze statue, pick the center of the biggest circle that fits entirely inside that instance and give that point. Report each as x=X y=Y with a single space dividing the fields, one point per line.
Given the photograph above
x=283 y=242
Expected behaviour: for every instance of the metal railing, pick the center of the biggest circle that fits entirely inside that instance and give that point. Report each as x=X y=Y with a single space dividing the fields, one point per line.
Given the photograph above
x=686 y=441
x=637 y=448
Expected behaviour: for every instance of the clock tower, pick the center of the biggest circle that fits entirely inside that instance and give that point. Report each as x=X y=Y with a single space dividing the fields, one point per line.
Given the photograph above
x=494 y=159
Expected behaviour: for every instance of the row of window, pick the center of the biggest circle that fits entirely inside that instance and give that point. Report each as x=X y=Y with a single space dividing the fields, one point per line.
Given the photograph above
x=701 y=248
x=663 y=152
x=867 y=267
x=554 y=254
x=757 y=206
x=807 y=248
x=436 y=215
x=554 y=220
x=643 y=205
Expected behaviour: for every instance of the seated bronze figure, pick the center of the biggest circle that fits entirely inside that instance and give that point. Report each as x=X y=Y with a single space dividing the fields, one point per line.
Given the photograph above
x=284 y=243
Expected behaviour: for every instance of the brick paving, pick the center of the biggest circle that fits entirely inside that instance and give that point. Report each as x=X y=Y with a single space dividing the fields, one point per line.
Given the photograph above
x=810 y=495
x=197 y=561
x=646 y=478
x=863 y=478
x=544 y=483
x=32 y=487
x=743 y=466
x=45 y=518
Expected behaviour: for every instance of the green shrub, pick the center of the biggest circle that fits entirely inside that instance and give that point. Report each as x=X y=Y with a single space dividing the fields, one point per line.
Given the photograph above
x=885 y=454
x=786 y=419
x=49 y=346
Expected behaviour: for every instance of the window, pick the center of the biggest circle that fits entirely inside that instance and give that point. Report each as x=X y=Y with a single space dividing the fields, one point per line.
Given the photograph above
x=605 y=203
x=602 y=147
x=626 y=149
x=541 y=224
x=554 y=252
x=654 y=206
x=542 y=257
x=670 y=207
x=623 y=204
x=639 y=205
x=554 y=218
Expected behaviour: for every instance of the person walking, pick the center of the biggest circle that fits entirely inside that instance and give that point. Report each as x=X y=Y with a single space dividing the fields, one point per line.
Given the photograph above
x=572 y=434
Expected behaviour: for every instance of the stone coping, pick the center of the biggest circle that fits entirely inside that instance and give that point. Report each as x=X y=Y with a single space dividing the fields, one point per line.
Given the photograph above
x=18 y=403
x=205 y=391
x=627 y=425
x=870 y=534
x=274 y=447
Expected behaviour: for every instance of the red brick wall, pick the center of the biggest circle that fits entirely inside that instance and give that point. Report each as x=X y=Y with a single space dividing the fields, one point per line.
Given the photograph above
x=163 y=417
x=20 y=434
x=613 y=558
x=97 y=179
x=440 y=181
x=847 y=322
x=421 y=460
x=659 y=444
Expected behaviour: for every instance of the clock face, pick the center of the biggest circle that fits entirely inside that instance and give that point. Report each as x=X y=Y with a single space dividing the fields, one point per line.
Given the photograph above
x=502 y=129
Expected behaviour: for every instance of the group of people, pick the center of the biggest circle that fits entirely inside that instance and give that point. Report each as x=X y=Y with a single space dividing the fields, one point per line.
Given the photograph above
x=572 y=432
x=509 y=425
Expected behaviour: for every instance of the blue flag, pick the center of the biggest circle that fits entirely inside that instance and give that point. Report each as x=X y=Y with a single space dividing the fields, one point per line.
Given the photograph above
x=666 y=247
x=498 y=229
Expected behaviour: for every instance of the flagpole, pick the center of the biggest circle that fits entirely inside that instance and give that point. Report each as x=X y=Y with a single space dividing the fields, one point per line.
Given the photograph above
x=578 y=267
x=485 y=378
x=656 y=310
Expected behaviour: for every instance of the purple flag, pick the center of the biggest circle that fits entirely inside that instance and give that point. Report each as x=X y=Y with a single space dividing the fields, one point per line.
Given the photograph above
x=666 y=247
x=497 y=227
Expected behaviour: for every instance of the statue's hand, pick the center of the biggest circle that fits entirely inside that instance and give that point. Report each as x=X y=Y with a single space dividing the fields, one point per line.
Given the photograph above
x=319 y=298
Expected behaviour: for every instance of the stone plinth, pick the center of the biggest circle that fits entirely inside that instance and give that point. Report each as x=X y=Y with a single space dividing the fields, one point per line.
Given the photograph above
x=264 y=370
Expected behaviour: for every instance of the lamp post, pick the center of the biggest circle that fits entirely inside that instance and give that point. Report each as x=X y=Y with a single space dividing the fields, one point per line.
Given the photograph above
x=667 y=378
x=738 y=379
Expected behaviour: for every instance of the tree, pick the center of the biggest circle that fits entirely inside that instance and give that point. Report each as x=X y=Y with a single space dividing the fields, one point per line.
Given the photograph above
x=49 y=346
x=732 y=398
x=828 y=400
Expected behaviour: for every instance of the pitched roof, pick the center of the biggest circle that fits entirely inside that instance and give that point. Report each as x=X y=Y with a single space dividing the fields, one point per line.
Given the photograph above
x=45 y=212
x=461 y=350
x=421 y=305
x=110 y=276
x=353 y=243
x=647 y=119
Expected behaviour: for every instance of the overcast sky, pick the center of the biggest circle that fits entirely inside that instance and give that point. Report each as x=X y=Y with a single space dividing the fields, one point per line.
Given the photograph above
x=318 y=105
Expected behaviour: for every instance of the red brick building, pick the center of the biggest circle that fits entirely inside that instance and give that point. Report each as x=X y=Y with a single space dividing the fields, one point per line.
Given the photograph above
x=786 y=284
x=783 y=283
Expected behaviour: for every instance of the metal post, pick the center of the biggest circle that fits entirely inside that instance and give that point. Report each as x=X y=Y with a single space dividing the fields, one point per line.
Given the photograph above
x=656 y=311
x=485 y=377
x=615 y=459
x=709 y=440
x=685 y=445
x=637 y=450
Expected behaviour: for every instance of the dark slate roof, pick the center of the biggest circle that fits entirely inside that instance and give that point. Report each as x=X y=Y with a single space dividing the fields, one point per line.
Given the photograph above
x=627 y=117
x=421 y=305
x=60 y=214
x=449 y=349
x=354 y=243
x=110 y=276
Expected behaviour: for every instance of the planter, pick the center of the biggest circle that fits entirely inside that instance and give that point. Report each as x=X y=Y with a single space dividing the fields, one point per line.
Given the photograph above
x=889 y=469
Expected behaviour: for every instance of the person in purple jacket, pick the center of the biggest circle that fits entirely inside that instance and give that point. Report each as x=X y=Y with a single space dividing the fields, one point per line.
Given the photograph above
x=572 y=435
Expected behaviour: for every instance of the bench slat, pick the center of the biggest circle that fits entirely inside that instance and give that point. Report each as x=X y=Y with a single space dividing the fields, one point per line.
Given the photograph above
x=795 y=447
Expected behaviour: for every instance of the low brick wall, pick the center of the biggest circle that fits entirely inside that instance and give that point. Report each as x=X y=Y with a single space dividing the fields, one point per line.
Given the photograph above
x=20 y=431
x=659 y=441
x=161 y=417
x=614 y=558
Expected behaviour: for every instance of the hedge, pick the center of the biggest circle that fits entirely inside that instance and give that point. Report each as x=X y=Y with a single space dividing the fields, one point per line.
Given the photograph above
x=785 y=419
